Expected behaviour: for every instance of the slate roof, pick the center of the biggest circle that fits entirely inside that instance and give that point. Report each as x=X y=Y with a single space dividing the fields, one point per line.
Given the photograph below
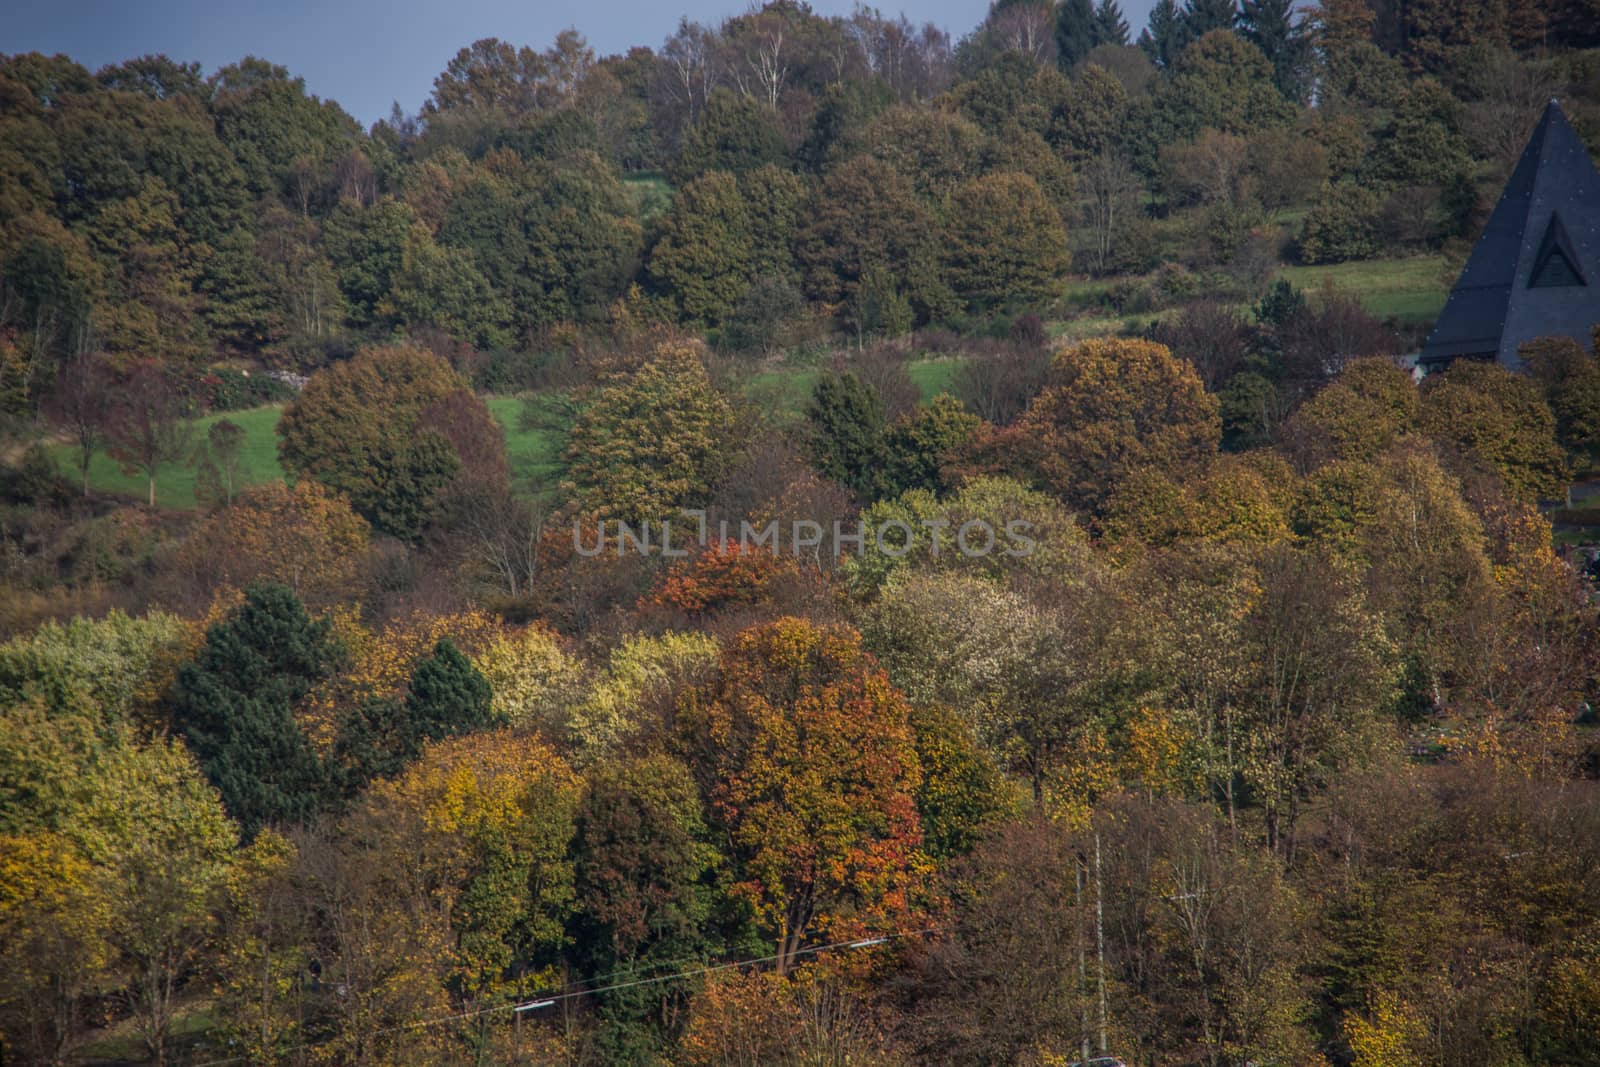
x=1550 y=207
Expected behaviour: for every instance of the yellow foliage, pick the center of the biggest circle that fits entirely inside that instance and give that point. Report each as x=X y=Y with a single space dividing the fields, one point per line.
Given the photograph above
x=1392 y=1033
x=379 y=664
x=533 y=677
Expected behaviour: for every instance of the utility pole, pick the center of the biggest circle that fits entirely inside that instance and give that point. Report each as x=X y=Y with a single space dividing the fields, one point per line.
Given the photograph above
x=1100 y=938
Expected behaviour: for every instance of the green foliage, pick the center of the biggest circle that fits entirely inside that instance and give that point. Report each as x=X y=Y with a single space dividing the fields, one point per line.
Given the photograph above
x=846 y=417
x=643 y=868
x=920 y=445
x=736 y=134
x=1341 y=226
x=234 y=705
x=362 y=429
x=448 y=696
x=1220 y=82
x=705 y=256
x=1004 y=243
x=442 y=287
x=865 y=220
x=962 y=792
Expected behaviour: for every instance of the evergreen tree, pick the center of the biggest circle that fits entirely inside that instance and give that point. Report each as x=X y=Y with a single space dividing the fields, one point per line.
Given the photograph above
x=1075 y=32
x=235 y=706
x=1200 y=17
x=846 y=417
x=1270 y=26
x=1109 y=25
x=448 y=696
x=1162 y=40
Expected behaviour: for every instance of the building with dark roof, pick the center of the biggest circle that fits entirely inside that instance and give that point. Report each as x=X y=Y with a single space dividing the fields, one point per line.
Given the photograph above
x=1535 y=272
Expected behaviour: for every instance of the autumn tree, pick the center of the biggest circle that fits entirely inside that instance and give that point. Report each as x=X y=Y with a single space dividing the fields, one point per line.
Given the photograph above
x=81 y=403
x=1499 y=420
x=161 y=847
x=304 y=537
x=1118 y=405
x=477 y=832
x=807 y=761
x=1570 y=379
x=54 y=918
x=652 y=441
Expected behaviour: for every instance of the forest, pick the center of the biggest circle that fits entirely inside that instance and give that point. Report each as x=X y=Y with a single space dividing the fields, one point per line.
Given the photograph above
x=1261 y=732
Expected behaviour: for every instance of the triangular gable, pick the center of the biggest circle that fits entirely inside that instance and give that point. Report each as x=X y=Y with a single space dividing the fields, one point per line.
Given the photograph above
x=1535 y=270
x=1557 y=264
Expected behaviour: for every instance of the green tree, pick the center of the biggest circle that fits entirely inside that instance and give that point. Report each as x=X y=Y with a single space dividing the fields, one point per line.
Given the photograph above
x=162 y=848
x=643 y=868
x=920 y=445
x=1220 y=82
x=704 y=258
x=378 y=737
x=269 y=122
x=217 y=462
x=1163 y=39
x=1271 y=27
x=1423 y=144
x=442 y=287
x=1109 y=25
x=846 y=419
x=773 y=199
x=1076 y=31
x=866 y=218
x=448 y=696
x=1341 y=225
x=235 y=704
x=367 y=247
x=1004 y=243
x=736 y=134
x=361 y=428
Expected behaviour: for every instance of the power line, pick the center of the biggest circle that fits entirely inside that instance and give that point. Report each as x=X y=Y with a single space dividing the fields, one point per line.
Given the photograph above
x=546 y=1000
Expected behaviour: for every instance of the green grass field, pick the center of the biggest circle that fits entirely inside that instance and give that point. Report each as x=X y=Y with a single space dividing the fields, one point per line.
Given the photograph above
x=784 y=390
x=1411 y=290
x=534 y=449
x=652 y=193
x=258 y=461
x=534 y=453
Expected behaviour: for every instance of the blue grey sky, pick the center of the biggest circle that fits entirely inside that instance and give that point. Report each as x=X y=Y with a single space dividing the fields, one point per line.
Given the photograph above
x=366 y=54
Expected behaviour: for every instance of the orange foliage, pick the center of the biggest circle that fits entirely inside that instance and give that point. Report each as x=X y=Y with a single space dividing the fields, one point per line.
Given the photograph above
x=306 y=538
x=814 y=773
x=725 y=575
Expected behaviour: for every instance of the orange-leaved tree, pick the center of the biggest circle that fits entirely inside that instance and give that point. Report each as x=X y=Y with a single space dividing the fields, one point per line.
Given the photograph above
x=808 y=761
